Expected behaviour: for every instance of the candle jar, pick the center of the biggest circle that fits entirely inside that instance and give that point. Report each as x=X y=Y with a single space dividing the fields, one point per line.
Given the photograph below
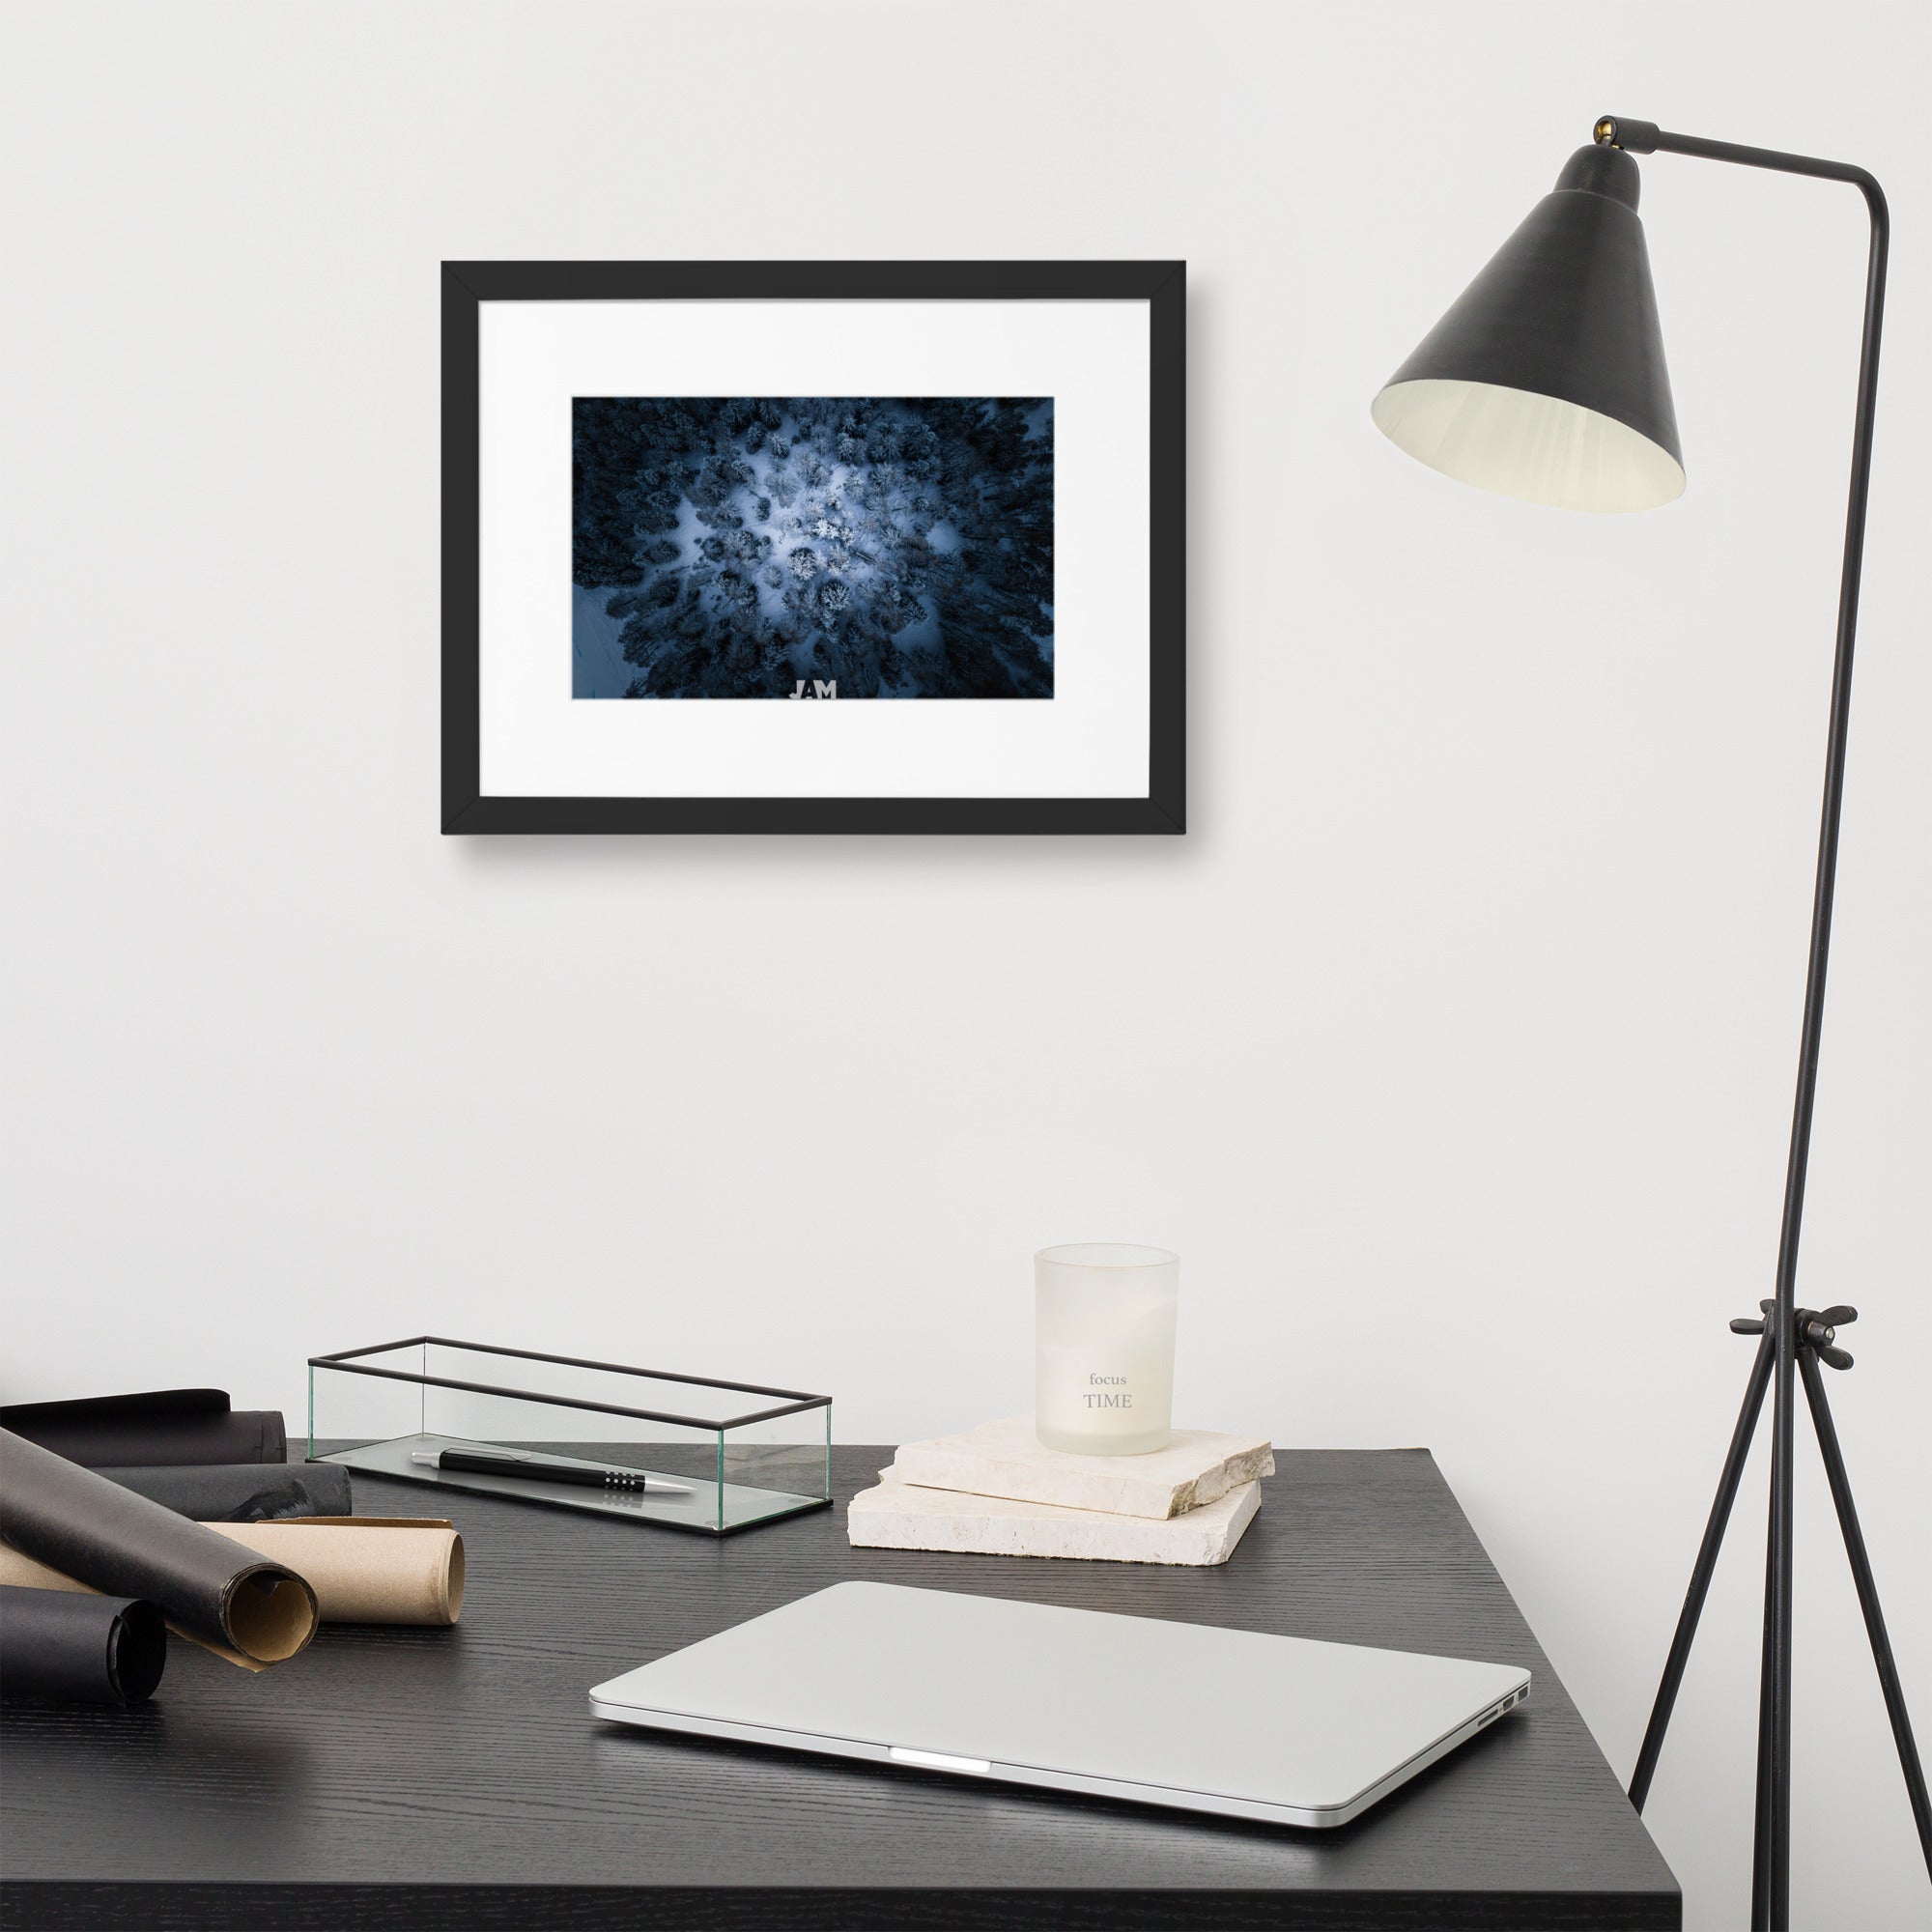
x=1103 y=1339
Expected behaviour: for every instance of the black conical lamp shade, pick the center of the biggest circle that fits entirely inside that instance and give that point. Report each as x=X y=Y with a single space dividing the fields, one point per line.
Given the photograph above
x=1545 y=381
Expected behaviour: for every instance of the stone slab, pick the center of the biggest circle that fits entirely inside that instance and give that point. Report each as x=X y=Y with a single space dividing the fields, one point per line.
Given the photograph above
x=1007 y=1459
x=902 y=1515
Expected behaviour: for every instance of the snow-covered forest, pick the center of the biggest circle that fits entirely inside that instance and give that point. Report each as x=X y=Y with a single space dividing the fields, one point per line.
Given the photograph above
x=875 y=547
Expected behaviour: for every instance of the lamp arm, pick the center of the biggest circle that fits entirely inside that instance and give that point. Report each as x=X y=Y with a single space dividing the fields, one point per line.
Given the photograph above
x=1771 y=1882
x=1646 y=137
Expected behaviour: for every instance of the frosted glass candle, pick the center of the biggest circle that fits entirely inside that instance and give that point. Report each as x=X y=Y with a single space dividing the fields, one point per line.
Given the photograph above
x=1103 y=1346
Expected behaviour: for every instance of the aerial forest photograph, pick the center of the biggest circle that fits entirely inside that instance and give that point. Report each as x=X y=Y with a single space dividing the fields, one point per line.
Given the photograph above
x=811 y=547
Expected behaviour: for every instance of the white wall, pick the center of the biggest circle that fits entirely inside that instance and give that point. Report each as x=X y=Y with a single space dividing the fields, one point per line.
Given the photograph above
x=1453 y=1047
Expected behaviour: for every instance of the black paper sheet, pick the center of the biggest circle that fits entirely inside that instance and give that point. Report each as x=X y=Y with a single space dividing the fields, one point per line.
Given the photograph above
x=163 y=1426
x=61 y=1646
x=123 y=1544
x=243 y=1491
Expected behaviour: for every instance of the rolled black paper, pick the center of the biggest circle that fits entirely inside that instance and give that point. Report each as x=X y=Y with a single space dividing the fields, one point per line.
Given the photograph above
x=61 y=1646
x=122 y=1545
x=243 y=1491
x=160 y=1427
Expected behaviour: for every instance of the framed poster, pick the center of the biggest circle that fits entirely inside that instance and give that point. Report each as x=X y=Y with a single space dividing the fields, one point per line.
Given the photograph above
x=814 y=547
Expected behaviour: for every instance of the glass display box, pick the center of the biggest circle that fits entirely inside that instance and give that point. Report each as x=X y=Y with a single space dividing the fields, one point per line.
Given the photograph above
x=683 y=1452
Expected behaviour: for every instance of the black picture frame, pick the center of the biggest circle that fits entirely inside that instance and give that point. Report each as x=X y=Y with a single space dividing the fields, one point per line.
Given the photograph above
x=1161 y=285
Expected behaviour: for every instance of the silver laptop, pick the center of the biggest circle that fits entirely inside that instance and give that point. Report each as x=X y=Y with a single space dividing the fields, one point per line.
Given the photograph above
x=1279 y=1728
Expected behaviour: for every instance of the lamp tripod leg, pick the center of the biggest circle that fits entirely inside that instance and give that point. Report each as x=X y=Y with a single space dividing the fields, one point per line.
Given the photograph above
x=1701 y=1573
x=1810 y=1336
x=1867 y=1588
x=1761 y=1828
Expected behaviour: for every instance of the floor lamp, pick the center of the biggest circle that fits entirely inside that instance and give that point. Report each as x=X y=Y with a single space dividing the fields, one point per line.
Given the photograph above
x=1547 y=381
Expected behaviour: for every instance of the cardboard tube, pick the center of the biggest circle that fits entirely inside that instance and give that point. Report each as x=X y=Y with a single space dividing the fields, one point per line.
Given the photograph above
x=103 y=1538
x=366 y=1569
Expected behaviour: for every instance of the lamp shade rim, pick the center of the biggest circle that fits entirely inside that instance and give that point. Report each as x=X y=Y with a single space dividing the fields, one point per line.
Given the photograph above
x=1527 y=444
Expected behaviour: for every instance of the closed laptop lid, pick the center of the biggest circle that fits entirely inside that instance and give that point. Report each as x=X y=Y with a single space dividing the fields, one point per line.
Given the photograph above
x=876 y=1669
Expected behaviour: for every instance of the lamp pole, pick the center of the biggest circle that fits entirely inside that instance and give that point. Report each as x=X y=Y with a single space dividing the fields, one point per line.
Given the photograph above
x=1771 y=1886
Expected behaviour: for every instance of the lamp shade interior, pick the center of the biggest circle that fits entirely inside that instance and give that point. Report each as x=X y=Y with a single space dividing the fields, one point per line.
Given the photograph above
x=1519 y=443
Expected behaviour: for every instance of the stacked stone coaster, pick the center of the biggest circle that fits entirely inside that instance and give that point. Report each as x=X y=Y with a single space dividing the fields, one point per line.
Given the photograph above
x=996 y=1490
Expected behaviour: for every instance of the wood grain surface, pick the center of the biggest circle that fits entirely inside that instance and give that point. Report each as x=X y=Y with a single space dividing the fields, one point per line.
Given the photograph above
x=421 y=1778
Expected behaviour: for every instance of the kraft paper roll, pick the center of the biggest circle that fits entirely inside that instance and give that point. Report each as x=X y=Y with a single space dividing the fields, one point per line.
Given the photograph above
x=363 y=1569
x=163 y=1426
x=59 y=1647
x=108 y=1538
x=243 y=1491
x=367 y=1569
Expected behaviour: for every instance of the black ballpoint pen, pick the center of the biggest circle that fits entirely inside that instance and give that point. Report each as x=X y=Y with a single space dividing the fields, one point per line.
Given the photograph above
x=535 y=1469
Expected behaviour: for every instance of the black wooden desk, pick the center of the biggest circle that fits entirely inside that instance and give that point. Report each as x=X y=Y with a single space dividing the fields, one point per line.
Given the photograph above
x=415 y=1779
